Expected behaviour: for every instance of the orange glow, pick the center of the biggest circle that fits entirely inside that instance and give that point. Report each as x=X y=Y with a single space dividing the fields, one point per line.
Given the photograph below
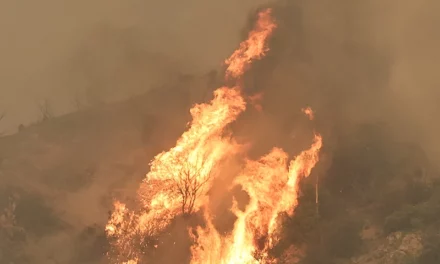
x=180 y=178
x=273 y=190
x=133 y=261
x=253 y=48
x=309 y=112
x=184 y=172
x=255 y=100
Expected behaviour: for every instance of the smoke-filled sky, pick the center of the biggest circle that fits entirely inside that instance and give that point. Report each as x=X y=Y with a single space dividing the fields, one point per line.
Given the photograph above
x=373 y=61
x=414 y=40
x=51 y=49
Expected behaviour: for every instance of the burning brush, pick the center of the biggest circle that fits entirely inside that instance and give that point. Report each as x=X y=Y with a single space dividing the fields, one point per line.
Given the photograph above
x=179 y=179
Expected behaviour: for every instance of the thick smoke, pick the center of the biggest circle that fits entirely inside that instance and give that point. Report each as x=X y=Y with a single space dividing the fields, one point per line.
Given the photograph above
x=70 y=55
x=61 y=52
x=354 y=63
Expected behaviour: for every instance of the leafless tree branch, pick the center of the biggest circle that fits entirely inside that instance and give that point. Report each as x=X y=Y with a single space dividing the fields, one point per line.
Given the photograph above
x=77 y=102
x=45 y=110
x=2 y=115
x=189 y=182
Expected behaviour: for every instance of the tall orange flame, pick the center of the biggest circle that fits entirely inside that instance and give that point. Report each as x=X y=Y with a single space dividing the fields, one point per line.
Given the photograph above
x=252 y=48
x=179 y=179
x=273 y=189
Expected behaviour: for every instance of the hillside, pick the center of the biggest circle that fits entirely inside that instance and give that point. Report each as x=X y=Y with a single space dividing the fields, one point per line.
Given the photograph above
x=348 y=180
x=378 y=196
x=60 y=175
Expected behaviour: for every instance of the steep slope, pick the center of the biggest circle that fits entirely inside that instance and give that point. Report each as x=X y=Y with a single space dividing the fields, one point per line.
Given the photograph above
x=59 y=176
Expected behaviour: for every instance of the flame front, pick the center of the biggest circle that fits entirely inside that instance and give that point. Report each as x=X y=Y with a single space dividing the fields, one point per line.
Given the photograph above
x=179 y=179
x=272 y=186
x=253 y=48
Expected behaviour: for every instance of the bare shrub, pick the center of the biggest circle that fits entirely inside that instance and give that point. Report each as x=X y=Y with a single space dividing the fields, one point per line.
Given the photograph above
x=45 y=110
x=12 y=237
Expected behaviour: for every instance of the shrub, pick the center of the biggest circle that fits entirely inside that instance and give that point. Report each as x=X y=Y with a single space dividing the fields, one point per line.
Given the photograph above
x=345 y=241
x=431 y=251
x=400 y=220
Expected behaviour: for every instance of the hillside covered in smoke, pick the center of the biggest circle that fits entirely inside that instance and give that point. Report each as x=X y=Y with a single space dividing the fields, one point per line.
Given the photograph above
x=366 y=69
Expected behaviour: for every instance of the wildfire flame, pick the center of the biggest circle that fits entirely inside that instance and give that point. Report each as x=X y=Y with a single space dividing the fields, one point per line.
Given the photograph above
x=272 y=186
x=179 y=179
x=252 y=48
x=309 y=113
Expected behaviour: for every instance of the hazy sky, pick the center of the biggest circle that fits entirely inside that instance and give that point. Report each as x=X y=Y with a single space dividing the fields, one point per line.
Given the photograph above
x=42 y=42
x=407 y=34
x=52 y=49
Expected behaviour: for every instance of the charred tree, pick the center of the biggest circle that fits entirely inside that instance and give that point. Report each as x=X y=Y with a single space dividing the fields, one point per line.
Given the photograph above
x=189 y=181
